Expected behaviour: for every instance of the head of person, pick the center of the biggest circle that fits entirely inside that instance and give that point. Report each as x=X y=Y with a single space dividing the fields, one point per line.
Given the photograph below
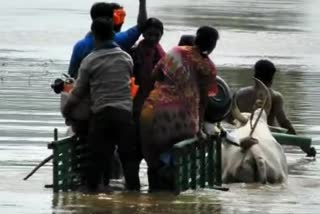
x=206 y=39
x=102 y=30
x=264 y=70
x=187 y=40
x=152 y=31
x=111 y=10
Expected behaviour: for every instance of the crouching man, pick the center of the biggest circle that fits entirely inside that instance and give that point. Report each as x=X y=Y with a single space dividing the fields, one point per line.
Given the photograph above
x=104 y=75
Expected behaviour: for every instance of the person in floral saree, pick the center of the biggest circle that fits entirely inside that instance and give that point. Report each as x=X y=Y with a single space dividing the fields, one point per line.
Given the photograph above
x=174 y=109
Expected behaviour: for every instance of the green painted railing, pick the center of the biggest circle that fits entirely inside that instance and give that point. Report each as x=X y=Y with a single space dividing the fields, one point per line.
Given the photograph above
x=305 y=143
x=69 y=162
x=196 y=163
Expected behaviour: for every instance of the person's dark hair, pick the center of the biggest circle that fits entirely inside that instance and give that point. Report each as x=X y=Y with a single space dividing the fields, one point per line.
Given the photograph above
x=187 y=40
x=152 y=22
x=264 y=70
x=103 y=9
x=102 y=28
x=206 y=38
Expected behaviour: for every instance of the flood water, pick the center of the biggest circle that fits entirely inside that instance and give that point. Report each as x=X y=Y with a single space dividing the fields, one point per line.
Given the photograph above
x=36 y=39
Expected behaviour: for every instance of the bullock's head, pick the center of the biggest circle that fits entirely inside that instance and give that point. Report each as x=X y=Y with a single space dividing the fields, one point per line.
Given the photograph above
x=263 y=102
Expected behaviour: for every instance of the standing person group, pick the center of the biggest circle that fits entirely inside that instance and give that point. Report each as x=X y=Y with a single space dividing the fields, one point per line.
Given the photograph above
x=169 y=106
x=104 y=75
x=103 y=70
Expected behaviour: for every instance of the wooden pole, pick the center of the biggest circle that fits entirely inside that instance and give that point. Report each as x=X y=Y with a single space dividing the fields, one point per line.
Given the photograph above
x=46 y=160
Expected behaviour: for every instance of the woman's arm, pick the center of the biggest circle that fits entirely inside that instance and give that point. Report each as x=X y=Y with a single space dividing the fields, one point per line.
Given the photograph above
x=207 y=86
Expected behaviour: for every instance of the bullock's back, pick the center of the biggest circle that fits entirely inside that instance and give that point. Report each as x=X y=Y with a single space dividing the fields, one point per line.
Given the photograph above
x=267 y=155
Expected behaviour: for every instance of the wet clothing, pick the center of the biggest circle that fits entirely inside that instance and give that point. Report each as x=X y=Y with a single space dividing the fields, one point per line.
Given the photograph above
x=82 y=48
x=171 y=111
x=145 y=59
x=246 y=98
x=104 y=77
x=110 y=127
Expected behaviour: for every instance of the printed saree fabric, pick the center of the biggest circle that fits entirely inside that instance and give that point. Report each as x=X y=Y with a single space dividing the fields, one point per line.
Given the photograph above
x=171 y=111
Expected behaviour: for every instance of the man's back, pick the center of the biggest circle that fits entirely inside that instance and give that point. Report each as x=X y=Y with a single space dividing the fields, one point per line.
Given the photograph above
x=246 y=98
x=106 y=72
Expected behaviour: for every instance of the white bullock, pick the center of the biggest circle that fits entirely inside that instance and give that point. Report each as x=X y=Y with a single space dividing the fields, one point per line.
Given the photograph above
x=259 y=159
x=262 y=162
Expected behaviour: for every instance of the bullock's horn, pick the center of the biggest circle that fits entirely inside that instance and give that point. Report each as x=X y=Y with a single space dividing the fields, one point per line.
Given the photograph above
x=236 y=111
x=263 y=94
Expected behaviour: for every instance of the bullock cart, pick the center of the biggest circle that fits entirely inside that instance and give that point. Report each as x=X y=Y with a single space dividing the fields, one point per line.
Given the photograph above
x=195 y=163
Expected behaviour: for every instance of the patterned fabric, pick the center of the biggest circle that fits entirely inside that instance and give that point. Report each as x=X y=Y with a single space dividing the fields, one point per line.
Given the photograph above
x=171 y=112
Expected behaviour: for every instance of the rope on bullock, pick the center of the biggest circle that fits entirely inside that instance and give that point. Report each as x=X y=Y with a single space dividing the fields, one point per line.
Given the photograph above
x=247 y=142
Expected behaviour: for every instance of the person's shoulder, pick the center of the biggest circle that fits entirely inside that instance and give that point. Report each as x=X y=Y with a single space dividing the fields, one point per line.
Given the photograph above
x=137 y=46
x=123 y=54
x=122 y=57
x=184 y=49
x=87 y=60
x=160 y=51
x=177 y=50
x=276 y=96
x=245 y=90
x=87 y=40
x=276 y=93
x=83 y=47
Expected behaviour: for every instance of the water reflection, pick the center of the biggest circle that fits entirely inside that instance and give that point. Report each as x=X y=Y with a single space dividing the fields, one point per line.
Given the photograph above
x=285 y=31
x=130 y=203
x=296 y=196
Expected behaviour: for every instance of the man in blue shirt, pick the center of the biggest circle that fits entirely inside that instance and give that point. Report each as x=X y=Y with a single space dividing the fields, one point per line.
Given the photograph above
x=125 y=39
